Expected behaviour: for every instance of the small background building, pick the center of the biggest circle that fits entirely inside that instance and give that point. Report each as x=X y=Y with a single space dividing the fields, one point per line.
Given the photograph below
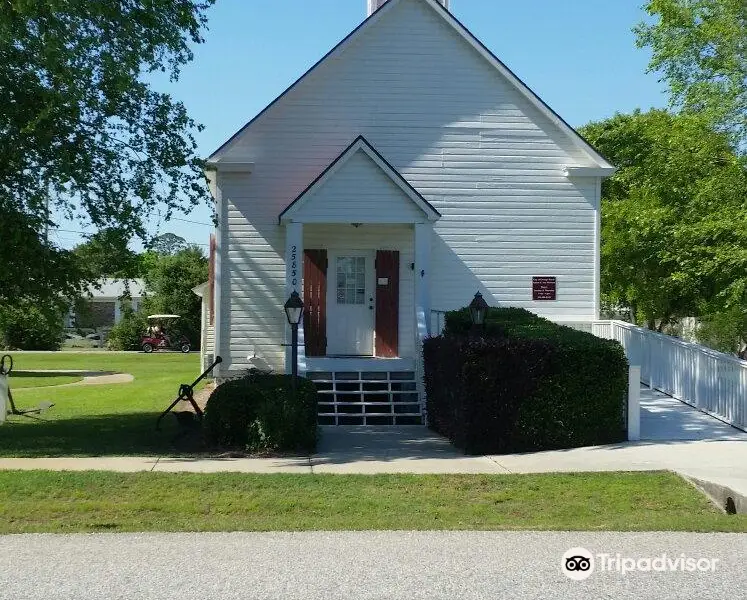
x=103 y=307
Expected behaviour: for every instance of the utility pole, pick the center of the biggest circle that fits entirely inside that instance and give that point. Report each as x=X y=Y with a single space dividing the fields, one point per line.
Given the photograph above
x=46 y=220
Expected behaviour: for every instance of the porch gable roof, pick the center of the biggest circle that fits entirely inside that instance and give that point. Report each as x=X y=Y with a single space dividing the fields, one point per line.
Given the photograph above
x=422 y=207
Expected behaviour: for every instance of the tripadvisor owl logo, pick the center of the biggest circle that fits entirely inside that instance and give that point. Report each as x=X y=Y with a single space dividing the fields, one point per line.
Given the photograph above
x=577 y=563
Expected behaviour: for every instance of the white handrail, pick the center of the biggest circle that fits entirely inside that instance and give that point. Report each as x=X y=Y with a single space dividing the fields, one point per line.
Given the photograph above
x=421 y=334
x=422 y=327
x=711 y=381
x=301 y=350
x=438 y=321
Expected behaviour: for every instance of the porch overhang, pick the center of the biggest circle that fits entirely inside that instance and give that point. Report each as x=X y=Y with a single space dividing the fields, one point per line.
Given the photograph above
x=307 y=207
x=201 y=289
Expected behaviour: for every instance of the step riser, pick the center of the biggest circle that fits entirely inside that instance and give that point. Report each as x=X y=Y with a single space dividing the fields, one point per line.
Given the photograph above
x=367 y=398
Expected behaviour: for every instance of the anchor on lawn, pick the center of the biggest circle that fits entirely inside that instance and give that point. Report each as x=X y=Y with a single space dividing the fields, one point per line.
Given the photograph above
x=186 y=394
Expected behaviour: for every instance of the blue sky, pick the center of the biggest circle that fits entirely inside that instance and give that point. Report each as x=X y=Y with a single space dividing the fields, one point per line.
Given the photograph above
x=579 y=56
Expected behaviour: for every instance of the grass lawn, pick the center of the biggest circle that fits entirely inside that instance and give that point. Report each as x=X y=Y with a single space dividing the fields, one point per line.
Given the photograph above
x=23 y=380
x=43 y=501
x=115 y=419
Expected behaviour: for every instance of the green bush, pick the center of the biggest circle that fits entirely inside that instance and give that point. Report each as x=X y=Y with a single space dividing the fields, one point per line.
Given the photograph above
x=126 y=334
x=27 y=326
x=260 y=412
x=725 y=331
x=504 y=321
x=524 y=384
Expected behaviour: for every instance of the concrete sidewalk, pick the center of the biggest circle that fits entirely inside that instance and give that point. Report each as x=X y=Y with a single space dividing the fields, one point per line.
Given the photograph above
x=677 y=438
x=718 y=458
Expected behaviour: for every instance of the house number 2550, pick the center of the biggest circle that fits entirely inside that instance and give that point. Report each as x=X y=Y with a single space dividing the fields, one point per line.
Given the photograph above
x=294 y=266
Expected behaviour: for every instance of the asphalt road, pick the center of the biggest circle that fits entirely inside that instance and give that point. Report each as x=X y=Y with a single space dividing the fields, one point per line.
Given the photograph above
x=365 y=565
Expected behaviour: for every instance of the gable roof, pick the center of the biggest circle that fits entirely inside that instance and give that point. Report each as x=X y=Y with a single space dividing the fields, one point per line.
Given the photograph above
x=360 y=144
x=470 y=38
x=110 y=288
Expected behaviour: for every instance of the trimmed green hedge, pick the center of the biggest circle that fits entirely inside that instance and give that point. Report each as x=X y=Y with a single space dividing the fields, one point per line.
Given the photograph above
x=524 y=384
x=260 y=412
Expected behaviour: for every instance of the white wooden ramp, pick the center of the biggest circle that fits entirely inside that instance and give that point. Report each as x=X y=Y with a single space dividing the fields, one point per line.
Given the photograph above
x=665 y=418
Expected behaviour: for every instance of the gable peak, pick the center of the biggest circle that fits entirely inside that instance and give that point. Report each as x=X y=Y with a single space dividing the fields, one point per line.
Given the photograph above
x=374 y=5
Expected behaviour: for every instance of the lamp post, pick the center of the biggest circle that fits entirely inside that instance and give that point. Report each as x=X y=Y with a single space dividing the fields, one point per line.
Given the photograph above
x=294 y=311
x=478 y=310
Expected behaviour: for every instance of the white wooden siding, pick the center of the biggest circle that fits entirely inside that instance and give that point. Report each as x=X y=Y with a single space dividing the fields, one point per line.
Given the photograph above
x=209 y=333
x=252 y=320
x=470 y=143
x=374 y=5
x=377 y=237
x=359 y=192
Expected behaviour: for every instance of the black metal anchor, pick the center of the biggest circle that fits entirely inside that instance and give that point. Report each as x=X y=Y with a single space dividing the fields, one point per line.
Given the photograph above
x=186 y=394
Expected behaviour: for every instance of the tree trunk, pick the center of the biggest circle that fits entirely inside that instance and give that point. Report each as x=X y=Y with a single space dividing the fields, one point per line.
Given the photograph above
x=663 y=323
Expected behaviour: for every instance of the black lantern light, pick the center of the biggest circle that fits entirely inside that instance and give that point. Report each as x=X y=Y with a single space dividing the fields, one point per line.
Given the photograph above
x=478 y=310
x=294 y=311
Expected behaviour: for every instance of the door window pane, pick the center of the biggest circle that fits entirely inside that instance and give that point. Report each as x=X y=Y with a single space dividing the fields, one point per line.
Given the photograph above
x=351 y=279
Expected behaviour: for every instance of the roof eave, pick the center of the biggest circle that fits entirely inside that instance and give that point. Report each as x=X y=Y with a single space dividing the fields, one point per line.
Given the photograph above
x=581 y=171
x=200 y=289
x=224 y=166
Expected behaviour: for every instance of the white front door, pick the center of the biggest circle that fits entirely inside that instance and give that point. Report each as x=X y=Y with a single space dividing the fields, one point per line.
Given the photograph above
x=350 y=303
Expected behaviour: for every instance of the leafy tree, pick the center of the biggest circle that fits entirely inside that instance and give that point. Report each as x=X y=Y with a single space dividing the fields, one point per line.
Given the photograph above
x=725 y=331
x=169 y=282
x=31 y=326
x=81 y=132
x=29 y=267
x=700 y=48
x=107 y=254
x=674 y=217
x=168 y=244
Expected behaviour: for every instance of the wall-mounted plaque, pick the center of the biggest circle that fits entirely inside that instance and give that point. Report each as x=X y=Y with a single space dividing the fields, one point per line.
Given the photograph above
x=544 y=288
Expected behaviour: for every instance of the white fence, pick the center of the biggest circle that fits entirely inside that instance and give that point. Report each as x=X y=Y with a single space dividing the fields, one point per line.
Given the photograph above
x=711 y=381
x=421 y=333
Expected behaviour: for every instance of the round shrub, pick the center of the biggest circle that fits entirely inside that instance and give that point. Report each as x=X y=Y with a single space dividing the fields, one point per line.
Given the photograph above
x=228 y=413
x=126 y=334
x=261 y=412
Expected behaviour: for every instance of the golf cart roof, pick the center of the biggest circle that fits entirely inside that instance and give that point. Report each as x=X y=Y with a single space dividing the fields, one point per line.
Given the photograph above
x=164 y=316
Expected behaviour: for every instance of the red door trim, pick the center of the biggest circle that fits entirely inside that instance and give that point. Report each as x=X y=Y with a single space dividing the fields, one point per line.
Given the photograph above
x=387 y=303
x=315 y=302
